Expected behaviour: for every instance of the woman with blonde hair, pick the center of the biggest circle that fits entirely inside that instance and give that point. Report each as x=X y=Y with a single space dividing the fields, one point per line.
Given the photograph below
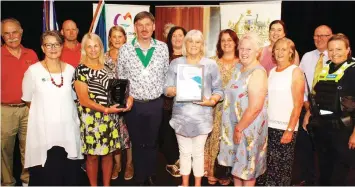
x=117 y=37
x=285 y=92
x=98 y=122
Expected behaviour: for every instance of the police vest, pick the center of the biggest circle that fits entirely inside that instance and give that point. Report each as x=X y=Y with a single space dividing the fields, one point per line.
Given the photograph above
x=328 y=86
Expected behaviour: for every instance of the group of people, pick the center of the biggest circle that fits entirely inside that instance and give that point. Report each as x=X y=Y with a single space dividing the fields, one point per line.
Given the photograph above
x=256 y=103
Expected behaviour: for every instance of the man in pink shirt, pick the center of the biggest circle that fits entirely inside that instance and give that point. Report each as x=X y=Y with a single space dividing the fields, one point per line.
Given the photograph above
x=71 y=50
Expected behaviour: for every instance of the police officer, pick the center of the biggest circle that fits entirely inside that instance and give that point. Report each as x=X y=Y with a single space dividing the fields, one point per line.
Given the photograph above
x=334 y=132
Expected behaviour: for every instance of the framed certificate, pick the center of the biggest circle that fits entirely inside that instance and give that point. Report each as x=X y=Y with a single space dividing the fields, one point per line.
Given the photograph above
x=189 y=83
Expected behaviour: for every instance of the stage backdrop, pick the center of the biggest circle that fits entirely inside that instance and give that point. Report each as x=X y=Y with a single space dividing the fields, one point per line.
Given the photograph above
x=250 y=16
x=199 y=17
x=123 y=16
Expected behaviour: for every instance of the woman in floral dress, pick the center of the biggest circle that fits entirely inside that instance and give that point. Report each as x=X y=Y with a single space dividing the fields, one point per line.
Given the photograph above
x=98 y=121
x=227 y=59
x=117 y=37
x=244 y=119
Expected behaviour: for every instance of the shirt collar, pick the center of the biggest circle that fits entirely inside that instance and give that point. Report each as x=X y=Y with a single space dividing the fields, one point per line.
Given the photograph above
x=6 y=51
x=324 y=52
x=153 y=43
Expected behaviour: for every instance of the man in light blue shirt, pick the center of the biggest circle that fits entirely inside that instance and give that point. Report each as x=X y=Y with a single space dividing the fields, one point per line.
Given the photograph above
x=308 y=64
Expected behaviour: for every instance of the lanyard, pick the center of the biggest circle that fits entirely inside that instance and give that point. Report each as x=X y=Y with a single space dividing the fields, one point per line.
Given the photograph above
x=144 y=59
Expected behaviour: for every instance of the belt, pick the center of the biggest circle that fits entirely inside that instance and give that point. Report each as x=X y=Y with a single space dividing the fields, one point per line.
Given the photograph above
x=14 y=105
x=146 y=100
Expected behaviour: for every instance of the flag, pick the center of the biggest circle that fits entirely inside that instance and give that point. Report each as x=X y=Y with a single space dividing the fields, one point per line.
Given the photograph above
x=98 y=24
x=49 y=16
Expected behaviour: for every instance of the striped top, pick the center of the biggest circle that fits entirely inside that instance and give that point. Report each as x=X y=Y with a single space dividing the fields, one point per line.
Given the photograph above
x=97 y=81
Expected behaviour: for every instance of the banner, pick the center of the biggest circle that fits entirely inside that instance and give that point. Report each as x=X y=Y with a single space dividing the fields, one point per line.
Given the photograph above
x=250 y=16
x=123 y=16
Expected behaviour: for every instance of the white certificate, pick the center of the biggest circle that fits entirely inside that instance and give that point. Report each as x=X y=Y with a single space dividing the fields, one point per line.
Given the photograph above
x=189 y=83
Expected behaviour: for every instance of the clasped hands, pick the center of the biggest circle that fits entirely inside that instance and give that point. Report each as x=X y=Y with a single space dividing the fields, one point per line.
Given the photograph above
x=114 y=109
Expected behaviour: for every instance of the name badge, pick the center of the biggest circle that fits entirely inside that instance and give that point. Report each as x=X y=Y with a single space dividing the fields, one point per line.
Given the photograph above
x=331 y=76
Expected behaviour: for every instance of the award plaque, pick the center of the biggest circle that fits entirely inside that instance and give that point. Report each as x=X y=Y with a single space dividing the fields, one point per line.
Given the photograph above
x=118 y=92
x=189 y=83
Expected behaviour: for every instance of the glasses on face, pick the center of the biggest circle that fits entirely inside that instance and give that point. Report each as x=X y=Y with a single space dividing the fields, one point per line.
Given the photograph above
x=321 y=36
x=50 y=46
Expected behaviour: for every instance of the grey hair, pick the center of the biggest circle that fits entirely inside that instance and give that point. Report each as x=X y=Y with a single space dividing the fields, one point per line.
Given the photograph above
x=194 y=35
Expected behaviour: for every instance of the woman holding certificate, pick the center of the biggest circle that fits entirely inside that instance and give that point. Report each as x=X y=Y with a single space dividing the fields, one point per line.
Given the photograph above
x=197 y=85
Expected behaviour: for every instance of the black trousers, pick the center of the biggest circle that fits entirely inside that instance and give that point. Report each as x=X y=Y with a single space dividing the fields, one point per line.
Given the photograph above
x=305 y=154
x=57 y=171
x=169 y=145
x=335 y=158
x=143 y=123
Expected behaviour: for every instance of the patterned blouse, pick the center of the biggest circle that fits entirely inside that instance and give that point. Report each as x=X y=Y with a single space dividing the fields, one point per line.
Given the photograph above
x=145 y=83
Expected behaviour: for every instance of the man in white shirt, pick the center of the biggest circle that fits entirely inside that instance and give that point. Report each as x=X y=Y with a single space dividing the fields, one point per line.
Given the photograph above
x=308 y=64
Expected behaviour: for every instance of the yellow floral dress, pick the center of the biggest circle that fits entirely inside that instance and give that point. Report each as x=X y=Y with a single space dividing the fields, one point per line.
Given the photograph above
x=99 y=132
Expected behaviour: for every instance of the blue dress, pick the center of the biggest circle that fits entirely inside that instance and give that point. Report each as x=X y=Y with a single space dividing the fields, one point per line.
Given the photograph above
x=248 y=159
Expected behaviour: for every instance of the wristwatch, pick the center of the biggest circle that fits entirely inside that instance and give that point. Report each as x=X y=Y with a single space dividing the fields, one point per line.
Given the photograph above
x=289 y=129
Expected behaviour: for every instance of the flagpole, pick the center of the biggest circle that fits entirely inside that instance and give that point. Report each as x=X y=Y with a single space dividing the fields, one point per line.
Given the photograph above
x=95 y=15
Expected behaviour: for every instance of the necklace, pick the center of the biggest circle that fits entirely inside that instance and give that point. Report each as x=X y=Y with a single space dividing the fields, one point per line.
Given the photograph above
x=61 y=76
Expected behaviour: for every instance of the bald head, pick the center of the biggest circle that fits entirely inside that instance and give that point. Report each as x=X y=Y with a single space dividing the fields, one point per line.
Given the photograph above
x=321 y=36
x=69 y=30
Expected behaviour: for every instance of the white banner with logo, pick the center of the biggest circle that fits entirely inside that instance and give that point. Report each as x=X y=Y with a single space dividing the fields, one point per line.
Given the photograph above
x=250 y=16
x=123 y=16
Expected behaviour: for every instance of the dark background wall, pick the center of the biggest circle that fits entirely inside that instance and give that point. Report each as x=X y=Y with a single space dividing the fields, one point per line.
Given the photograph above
x=301 y=17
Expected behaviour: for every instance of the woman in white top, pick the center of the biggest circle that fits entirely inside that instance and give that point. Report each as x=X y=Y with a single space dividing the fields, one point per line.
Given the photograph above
x=53 y=137
x=285 y=92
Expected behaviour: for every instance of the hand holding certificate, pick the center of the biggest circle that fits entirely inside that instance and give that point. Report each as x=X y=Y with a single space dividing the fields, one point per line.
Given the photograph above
x=189 y=84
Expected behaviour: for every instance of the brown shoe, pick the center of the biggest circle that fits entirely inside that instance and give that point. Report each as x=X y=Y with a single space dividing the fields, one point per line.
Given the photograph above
x=116 y=170
x=129 y=172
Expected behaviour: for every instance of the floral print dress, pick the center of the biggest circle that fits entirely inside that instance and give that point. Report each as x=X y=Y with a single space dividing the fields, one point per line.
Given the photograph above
x=248 y=159
x=124 y=135
x=99 y=132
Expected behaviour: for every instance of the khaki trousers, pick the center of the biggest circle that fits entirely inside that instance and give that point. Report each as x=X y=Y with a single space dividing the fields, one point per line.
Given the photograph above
x=13 y=122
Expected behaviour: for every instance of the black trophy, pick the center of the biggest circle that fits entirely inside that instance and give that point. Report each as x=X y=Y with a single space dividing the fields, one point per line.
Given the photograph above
x=118 y=92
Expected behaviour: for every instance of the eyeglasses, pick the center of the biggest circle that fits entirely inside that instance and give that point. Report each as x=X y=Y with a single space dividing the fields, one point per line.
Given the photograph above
x=321 y=36
x=50 y=46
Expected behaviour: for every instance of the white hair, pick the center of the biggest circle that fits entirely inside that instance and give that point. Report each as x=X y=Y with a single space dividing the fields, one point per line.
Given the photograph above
x=253 y=38
x=194 y=35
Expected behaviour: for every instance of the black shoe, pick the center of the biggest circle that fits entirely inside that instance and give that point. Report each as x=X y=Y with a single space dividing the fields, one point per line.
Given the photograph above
x=150 y=181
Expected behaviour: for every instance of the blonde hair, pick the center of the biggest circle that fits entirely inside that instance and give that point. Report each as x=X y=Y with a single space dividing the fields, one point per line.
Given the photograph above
x=290 y=44
x=116 y=28
x=194 y=35
x=86 y=38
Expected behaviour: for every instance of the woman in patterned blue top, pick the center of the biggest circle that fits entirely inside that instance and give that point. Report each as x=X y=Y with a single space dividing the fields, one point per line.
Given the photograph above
x=193 y=121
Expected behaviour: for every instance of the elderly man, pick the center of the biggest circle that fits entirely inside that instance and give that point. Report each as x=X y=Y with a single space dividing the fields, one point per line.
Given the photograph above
x=71 y=51
x=15 y=59
x=144 y=62
x=311 y=63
